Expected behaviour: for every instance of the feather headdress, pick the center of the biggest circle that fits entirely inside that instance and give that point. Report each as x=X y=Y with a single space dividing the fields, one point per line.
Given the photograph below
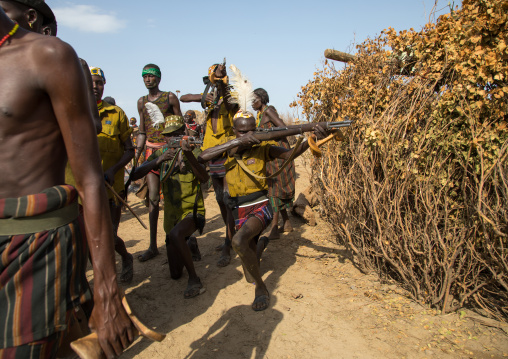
x=155 y=114
x=242 y=87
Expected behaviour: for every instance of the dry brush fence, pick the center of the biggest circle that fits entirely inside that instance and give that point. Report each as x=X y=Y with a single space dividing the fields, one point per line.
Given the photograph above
x=419 y=190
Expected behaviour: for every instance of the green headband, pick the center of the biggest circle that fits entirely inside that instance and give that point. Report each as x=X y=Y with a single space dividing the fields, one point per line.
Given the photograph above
x=151 y=71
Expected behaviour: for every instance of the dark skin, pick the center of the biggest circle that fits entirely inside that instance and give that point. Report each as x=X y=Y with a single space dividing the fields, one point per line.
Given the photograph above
x=190 y=117
x=109 y=175
x=179 y=253
x=31 y=20
x=152 y=84
x=271 y=115
x=244 y=240
x=42 y=125
x=218 y=183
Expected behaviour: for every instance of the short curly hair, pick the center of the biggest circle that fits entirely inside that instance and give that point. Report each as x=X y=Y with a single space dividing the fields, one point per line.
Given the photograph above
x=263 y=95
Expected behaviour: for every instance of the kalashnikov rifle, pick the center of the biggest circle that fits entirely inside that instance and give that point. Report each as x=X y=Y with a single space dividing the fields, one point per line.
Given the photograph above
x=277 y=133
x=211 y=87
x=176 y=142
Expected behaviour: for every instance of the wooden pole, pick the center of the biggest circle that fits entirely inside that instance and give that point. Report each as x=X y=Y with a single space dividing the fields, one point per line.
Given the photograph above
x=125 y=204
x=338 y=55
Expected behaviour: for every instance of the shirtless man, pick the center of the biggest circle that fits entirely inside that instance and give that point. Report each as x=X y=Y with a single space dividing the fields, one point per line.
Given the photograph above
x=169 y=105
x=249 y=203
x=219 y=126
x=42 y=124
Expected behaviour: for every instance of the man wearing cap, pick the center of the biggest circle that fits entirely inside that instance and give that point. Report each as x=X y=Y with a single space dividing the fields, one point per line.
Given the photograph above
x=116 y=149
x=184 y=211
x=219 y=126
x=168 y=104
x=43 y=123
x=248 y=200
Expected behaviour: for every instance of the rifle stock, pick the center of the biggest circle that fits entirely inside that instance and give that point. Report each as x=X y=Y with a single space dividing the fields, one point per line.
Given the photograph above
x=276 y=133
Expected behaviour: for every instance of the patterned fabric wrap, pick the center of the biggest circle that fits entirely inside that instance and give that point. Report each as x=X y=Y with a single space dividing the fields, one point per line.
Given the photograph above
x=262 y=210
x=151 y=71
x=46 y=348
x=280 y=204
x=154 y=134
x=151 y=148
x=217 y=168
x=42 y=275
x=95 y=71
x=282 y=187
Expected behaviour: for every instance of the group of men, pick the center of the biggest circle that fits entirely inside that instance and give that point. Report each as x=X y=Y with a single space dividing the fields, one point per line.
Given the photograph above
x=45 y=235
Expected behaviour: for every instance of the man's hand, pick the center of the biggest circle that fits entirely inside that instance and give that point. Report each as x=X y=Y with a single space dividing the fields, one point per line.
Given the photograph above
x=220 y=71
x=248 y=139
x=168 y=155
x=109 y=176
x=111 y=323
x=186 y=146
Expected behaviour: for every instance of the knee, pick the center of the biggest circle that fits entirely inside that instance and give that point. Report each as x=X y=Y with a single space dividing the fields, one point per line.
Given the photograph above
x=240 y=244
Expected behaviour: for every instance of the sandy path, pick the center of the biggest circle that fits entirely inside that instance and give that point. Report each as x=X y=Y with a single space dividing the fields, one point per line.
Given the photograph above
x=321 y=305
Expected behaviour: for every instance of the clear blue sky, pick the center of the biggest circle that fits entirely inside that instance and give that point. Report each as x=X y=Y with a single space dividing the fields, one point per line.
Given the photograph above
x=277 y=44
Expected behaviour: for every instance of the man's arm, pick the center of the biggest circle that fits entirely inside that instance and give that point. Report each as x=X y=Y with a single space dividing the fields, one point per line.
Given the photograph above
x=127 y=156
x=69 y=102
x=230 y=146
x=198 y=169
x=141 y=139
x=173 y=101
x=195 y=97
x=143 y=170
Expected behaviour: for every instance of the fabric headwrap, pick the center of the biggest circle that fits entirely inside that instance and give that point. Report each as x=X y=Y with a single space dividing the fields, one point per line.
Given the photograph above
x=151 y=71
x=95 y=71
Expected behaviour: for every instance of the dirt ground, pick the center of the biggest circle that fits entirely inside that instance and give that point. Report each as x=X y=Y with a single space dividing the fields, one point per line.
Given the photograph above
x=321 y=306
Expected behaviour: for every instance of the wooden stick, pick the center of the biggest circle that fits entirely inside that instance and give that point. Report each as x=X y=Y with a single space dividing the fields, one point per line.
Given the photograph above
x=125 y=204
x=338 y=55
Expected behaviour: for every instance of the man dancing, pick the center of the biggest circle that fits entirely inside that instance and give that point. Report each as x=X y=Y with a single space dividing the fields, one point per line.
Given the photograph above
x=45 y=121
x=249 y=203
x=184 y=210
x=116 y=149
x=152 y=136
x=219 y=126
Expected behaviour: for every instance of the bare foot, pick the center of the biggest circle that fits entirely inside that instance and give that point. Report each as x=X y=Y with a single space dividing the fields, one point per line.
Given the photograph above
x=225 y=257
x=261 y=300
x=147 y=255
x=287 y=226
x=194 y=288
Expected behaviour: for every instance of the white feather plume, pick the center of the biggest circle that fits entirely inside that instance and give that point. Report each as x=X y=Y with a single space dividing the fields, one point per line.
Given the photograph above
x=242 y=87
x=155 y=114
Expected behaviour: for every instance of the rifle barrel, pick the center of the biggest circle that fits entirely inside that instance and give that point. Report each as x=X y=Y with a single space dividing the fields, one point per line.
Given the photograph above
x=276 y=133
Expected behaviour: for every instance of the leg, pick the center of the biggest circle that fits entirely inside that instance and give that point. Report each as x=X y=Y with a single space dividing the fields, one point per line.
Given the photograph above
x=153 y=215
x=192 y=242
x=181 y=254
x=285 y=220
x=244 y=248
x=127 y=259
x=274 y=231
x=218 y=186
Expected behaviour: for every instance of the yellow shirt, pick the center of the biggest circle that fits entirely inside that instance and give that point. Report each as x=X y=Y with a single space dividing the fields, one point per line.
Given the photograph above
x=239 y=182
x=224 y=128
x=115 y=130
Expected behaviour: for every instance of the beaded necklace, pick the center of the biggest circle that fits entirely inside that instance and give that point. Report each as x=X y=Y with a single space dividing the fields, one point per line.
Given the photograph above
x=12 y=32
x=260 y=114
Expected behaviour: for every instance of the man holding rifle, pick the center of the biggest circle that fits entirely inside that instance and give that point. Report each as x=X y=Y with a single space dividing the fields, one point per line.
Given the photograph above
x=246 y=179
x=184 y=210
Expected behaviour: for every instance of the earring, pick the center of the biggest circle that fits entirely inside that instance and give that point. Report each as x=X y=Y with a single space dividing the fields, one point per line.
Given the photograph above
x=30 y=24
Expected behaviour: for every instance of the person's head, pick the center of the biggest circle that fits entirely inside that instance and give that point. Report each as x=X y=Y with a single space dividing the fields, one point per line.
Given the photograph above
x=173 y=126
x=98 y=82
x=190 y=116
x=29 y=14
x=133 y=121
x=50 y=29
x=260 y=99
x=109 y=100
x=243 y=122
x=151 y=76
